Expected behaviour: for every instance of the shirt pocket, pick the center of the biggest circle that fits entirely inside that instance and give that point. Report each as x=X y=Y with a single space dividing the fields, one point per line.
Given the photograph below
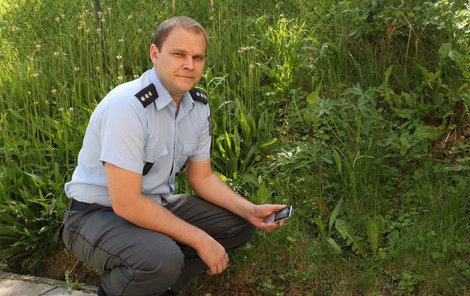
x=151 y=155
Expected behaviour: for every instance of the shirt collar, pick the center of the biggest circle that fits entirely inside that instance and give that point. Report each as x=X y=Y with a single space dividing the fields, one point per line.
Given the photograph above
x=164 y=97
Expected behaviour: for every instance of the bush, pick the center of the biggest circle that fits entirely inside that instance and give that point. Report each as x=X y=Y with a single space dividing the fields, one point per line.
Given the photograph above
x=356 y=112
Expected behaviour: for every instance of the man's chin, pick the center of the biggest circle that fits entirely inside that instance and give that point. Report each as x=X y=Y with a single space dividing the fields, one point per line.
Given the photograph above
x=183 y=89
x=187 y=86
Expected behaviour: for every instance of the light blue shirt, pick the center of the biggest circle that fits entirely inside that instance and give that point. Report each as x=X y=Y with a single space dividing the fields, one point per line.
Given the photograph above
x=124 y=132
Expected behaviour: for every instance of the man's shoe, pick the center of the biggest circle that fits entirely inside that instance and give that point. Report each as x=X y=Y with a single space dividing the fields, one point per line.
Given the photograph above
x=101 y=292
x=170 y=292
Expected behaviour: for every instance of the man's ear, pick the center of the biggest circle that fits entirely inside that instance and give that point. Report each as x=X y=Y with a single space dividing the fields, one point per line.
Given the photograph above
x=154 y=53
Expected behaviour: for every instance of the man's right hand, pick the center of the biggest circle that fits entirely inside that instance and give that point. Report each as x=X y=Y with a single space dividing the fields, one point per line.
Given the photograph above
x=214 y=255
x=127 y=201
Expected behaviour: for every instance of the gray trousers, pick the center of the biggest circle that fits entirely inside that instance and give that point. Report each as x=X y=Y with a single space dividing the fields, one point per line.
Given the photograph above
x=139 y=262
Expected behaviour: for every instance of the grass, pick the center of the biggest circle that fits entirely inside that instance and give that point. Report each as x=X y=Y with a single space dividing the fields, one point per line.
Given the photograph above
x=355 y=112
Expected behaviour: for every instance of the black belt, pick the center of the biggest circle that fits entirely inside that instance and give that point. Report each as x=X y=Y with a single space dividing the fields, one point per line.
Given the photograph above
x=76 y=205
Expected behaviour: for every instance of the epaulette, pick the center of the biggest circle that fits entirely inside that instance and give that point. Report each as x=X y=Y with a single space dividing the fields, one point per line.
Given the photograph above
x=198 y=95
x=147 y=95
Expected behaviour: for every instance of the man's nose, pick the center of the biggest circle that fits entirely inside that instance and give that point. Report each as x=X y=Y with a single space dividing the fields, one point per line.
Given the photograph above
x=188 y=63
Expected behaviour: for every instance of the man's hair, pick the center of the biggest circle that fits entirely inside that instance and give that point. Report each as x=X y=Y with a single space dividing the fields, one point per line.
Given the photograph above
x=178 y=21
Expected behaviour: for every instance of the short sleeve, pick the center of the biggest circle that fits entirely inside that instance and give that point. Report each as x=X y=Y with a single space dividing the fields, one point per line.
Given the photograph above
x=203 y=147
x=122 y=132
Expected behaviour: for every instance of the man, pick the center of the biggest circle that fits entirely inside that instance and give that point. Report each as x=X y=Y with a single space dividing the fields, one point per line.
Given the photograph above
x=124 y=217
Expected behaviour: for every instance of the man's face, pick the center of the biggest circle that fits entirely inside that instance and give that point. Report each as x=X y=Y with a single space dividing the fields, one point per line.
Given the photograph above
x=180 y=60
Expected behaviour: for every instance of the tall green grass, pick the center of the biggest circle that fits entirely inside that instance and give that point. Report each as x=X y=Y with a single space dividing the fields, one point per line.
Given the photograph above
x=355 y=112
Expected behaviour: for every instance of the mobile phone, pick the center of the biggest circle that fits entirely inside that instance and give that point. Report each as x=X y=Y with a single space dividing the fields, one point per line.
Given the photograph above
x=280 y=215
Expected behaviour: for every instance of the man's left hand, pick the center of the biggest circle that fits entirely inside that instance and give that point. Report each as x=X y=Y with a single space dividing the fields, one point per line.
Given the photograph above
x=261 y=212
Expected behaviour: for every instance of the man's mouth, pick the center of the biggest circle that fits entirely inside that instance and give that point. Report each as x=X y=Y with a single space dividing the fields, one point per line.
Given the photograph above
x=185 y=76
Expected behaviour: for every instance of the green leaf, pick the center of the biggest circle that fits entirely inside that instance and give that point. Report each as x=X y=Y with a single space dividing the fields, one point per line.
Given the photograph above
x=375 y=229
x=428 y=132
x=444 y=52
x=458 y=58
x=334 y=245
x=268 y=143
x=339 y=163
x=314 y=96
x=405 y=143
x=321 y=226
x=324 y=50
x=346 y=233
x=334 y=215
x=404 y=113
x=388 y=73
x=263 y=194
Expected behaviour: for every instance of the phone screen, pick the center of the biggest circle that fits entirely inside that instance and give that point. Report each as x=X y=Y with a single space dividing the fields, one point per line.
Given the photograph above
x=282 y=214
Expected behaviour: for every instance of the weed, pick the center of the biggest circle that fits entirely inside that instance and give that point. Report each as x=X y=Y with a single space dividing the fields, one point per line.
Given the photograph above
x=356 y=112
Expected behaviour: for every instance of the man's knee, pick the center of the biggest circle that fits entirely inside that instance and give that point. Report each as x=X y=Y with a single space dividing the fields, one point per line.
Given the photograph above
x=237 y=235
x=163 y=260
x=152 y=277
x=247 y=232
x=165 y=272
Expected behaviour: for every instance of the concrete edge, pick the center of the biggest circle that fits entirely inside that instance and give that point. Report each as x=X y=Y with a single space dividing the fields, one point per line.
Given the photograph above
x=48 y=281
